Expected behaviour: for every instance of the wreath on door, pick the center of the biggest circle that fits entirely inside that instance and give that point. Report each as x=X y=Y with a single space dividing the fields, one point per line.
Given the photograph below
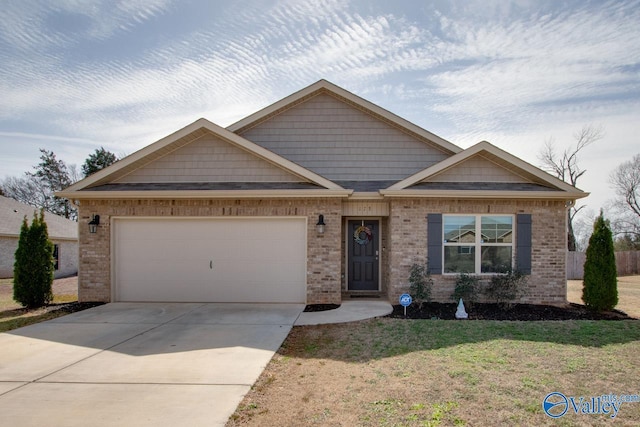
x=358 y=235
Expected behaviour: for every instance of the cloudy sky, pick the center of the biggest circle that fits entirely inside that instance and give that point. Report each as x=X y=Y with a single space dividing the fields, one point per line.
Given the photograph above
x=80 y=74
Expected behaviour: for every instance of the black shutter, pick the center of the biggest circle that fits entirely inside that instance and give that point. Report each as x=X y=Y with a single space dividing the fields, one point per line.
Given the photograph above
x=523 y=243
x=434 y=243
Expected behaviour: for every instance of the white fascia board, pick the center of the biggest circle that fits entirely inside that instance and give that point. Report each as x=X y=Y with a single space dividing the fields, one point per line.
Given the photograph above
x=481 y=194
x=366 y=195
x=203 y=194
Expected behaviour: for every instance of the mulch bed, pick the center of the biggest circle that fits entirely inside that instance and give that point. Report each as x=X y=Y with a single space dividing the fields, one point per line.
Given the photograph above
x=72 y=307
x=60 y=309
x=320 y=307
x=523 y=312
x=526 y=312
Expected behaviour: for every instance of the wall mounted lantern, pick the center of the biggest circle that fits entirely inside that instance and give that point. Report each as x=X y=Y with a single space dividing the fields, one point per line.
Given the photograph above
x=93 y=224
x=320 y=225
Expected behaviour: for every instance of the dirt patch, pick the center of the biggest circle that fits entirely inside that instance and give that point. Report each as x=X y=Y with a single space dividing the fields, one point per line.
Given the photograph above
x=65 y=301
x=628 y=294
x=521 y=312
x=64 y=286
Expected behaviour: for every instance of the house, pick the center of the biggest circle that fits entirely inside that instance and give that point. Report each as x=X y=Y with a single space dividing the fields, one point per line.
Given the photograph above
x=63 y=233
x=320 y=195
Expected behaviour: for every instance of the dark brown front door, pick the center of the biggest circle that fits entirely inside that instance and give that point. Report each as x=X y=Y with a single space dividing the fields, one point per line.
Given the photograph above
x=363 y=242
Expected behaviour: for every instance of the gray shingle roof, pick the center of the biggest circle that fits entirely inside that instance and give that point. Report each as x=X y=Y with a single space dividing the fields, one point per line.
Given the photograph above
x=12 y=213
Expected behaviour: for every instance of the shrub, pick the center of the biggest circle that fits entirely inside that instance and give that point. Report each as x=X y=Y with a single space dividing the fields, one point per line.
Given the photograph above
x=467 y=288
x=33 y=266
x=600 y=283
x=505 y=288
x=420 y=283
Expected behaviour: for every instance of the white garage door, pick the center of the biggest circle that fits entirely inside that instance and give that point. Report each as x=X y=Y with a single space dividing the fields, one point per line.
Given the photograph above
x=210 y=260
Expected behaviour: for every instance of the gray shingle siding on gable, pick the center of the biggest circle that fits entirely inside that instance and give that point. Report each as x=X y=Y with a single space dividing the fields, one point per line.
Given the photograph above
x=343 y=143
x=208 y=159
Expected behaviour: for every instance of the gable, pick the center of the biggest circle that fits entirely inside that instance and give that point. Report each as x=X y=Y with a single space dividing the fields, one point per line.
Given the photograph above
x=482 y=171
x=480 y=168
x=208 y=159
x=203 y=160
x=342 y=141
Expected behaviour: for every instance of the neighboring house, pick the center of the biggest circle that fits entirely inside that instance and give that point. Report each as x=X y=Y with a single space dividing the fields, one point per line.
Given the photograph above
x=63 y=233
x=237 y=214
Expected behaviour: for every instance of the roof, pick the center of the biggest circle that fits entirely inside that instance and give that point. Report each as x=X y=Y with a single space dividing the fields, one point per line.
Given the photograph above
x=534 y=183
x=91 y=186
x=13 y=212
x=481 y=171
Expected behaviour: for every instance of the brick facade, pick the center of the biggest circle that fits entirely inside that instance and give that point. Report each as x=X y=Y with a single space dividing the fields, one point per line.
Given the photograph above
x=408 y=244
x=323 y=258
x=403 y=241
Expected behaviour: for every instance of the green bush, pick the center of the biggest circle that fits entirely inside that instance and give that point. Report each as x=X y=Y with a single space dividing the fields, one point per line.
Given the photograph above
x=33 y=267
x=505 y=288
x=420 y=283
x=467 y=288
x=600 y=283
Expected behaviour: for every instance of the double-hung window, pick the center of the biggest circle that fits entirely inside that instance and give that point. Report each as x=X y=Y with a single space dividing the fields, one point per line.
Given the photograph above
x=477 y=243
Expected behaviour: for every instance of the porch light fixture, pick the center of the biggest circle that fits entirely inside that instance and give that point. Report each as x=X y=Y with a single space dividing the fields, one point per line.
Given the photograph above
x=320 y=225
x=93 y=224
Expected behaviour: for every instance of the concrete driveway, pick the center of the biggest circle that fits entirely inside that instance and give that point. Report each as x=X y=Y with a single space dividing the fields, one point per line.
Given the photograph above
x=155 y=364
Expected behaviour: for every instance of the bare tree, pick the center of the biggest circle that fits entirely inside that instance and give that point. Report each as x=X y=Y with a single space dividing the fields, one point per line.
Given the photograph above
x=26 y=190
x=565 y=166
x=53 y=175
x=625 y=180
x=37 y=188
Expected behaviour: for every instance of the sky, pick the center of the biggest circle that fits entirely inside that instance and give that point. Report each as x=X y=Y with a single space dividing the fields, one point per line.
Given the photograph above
x=76 y=75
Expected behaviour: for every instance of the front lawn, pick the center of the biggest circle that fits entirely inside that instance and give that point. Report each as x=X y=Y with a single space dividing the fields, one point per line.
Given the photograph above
x=395 y=372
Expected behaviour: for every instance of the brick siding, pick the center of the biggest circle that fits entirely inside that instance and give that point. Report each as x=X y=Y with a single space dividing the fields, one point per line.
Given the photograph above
x=323 y=263
x=403 y=243
x=408 y=244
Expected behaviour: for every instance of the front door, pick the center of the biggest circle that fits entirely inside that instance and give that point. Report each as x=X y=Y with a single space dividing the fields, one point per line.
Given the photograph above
x=363 y=240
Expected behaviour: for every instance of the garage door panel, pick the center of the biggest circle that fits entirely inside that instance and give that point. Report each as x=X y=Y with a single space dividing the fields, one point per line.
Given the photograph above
x=210 y=260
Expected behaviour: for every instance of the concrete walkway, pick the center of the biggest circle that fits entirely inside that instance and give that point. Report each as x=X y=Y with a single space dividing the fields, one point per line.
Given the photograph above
x=148 y=364
x=349 y=311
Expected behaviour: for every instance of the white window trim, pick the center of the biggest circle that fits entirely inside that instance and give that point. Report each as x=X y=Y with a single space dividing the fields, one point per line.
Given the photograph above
x=478 y=242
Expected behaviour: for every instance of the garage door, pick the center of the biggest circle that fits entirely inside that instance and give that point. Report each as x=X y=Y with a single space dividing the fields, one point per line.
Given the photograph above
x=210 y=260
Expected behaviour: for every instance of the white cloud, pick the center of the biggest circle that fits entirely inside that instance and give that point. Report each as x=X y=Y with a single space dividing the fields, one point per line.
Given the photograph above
x=125 y=74
x=538 y=66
